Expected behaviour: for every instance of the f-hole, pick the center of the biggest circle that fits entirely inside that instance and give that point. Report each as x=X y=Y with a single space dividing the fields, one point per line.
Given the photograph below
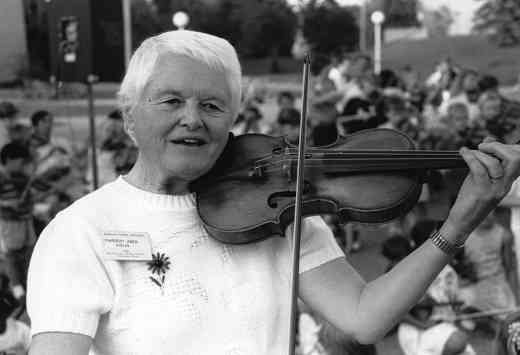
x=272 y=199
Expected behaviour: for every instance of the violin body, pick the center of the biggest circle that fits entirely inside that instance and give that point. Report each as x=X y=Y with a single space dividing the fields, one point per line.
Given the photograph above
x=249 y=195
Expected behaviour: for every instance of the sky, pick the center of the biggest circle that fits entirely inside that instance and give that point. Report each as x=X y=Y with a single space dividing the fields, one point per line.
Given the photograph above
x=463 y=11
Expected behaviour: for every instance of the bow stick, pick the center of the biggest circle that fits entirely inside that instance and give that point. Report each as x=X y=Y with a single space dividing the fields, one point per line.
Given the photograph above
x=295 y=251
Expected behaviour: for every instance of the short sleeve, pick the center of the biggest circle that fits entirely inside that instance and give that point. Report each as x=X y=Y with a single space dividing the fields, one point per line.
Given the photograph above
x=317 y=245
x=68 y=286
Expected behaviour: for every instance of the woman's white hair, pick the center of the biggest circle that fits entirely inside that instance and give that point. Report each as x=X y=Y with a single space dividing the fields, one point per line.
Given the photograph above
x=214 y=51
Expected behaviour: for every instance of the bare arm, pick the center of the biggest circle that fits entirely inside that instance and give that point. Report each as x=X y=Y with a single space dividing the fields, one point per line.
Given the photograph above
x=54 y=343
x=366 y=311
x=510 y=201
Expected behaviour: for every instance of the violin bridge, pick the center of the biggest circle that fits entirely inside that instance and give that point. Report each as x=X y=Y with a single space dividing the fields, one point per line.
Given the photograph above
x=287 y=170
x=256 y=172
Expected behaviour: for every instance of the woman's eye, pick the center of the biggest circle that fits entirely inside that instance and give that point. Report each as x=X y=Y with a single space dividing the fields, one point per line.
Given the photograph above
x=211 y=107
x=173 y=101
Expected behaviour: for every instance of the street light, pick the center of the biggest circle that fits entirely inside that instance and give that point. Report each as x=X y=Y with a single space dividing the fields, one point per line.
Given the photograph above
x=377 y=19
x=363 y=26
x=180 y=19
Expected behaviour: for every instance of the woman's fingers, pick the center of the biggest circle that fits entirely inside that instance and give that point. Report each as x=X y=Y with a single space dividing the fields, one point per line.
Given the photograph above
x=476 y=167
x=489 y=139
x=493 y=166
x=508 y=154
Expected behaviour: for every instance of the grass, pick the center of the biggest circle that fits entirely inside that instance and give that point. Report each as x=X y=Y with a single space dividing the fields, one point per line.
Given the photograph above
x=474 y=52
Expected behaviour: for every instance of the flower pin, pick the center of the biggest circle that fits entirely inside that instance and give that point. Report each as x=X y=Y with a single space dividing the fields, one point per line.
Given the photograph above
x=159 y=264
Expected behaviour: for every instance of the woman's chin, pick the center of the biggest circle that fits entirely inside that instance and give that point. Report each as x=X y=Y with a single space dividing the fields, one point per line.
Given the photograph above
x=188 y=171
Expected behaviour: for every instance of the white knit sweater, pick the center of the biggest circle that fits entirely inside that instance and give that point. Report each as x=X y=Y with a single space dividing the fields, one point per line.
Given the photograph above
x=217 y=299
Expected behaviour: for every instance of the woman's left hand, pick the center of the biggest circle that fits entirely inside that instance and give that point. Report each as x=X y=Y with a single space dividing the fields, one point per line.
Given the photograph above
x=493 y=168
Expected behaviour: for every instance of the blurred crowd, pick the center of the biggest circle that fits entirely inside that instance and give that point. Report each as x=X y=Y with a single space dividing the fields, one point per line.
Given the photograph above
x=40 y=174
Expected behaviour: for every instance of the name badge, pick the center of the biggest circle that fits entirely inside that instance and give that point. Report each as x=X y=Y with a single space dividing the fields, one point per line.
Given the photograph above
x=127 y=246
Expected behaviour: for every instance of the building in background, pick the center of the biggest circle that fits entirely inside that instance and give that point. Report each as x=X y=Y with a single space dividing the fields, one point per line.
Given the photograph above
x=13 y=56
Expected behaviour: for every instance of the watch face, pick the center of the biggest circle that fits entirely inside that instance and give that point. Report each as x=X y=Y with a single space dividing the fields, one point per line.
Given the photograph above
x=70 y=57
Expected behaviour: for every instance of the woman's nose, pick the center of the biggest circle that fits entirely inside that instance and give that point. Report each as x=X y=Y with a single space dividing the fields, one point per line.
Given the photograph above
x=191 y=115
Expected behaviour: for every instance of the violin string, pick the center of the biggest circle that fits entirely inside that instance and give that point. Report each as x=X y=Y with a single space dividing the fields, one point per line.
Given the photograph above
x=350 y=161
x=366 y=165
x=338 y=155
x=419 y=151
x=404 y=165
x=367 y=168
x=389 y=153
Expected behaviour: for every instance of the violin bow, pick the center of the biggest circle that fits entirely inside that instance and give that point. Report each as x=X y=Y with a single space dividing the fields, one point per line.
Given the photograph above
x=295 y=251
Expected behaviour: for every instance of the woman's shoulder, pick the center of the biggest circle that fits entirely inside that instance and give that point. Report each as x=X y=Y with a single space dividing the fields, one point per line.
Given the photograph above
x=92 y=208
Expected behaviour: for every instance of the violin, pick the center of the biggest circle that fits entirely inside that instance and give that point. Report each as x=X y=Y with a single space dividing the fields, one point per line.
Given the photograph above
x=371 y=176
x=260 y=184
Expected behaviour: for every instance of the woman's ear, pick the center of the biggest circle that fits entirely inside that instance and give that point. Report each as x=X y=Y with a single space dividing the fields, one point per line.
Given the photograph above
x=129 y=125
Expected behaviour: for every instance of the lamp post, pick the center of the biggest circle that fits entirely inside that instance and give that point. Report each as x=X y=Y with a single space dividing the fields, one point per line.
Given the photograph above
x=127 y=30
x=377 y=19
x=180 y=20
x=363 y=26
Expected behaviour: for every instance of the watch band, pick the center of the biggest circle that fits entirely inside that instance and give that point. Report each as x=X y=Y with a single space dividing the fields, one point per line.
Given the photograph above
x=447 y=247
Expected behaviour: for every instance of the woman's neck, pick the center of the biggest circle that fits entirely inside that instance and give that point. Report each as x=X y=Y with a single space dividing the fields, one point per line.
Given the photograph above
x=144 y=178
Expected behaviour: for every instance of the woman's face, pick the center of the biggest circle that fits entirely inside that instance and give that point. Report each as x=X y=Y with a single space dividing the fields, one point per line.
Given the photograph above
x=182 y=119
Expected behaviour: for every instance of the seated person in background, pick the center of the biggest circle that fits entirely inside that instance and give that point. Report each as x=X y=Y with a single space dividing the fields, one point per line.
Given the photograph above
x=115 y=155
x=399 y=117
x=54 y=162
x=362 y=112
x=8 y=114
x=395 y=249
x=324 y=97
x=466 y=90
x=414 y=90
x=285 y=99
x=498 y=121
x=17 y=236
x=428 y=327
x=455 y=131
x=248 y=121
x=20 y=133
x=42 y=123
x=15 y=336
x=390 y=83
x=288 y=123
x=318 y=337
x=509 y=336
x=489 y=251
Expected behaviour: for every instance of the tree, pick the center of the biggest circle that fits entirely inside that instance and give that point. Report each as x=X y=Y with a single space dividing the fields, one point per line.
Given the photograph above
x=400 y=13
x=257 y=28
x=501 y=18
x=438 y=21
x=329 y=27
x=145 y=21
x=268 y=28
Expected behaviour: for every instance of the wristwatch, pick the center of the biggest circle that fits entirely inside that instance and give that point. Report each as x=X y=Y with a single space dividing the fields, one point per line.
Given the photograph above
x=447 y=247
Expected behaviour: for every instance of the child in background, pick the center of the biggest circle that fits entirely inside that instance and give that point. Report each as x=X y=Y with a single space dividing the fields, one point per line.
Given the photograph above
x=17 y=236
x=248 y=121
x=509 y=336
x=489 y=250
x=15 y=336
x=318 y=337
x=285 y=100
x=288 y=122
x=424 y=330
x=8 y=113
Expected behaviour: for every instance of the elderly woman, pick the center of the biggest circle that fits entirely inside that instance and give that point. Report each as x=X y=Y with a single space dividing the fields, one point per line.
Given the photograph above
x=130 y=269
